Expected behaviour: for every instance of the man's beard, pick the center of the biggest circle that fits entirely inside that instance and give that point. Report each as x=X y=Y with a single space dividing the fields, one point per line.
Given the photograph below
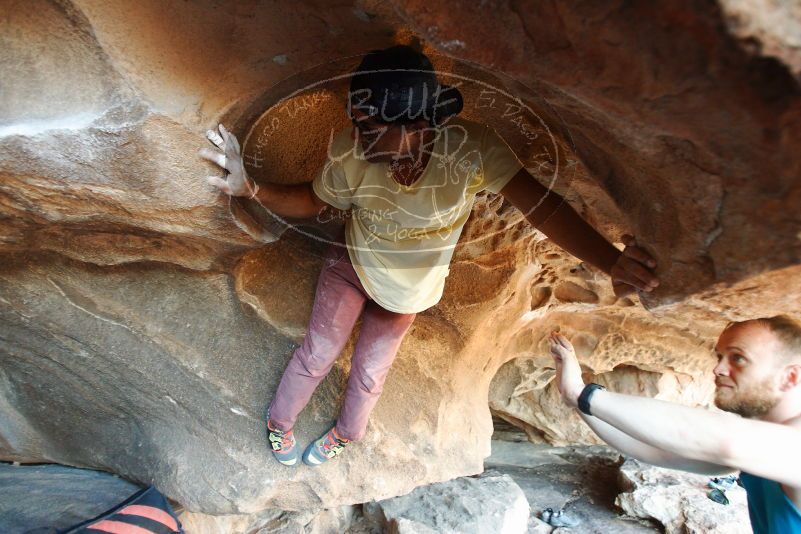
x=754 y=402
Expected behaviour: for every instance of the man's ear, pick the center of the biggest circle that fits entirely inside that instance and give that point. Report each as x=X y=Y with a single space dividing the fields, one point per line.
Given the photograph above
x=791 y=377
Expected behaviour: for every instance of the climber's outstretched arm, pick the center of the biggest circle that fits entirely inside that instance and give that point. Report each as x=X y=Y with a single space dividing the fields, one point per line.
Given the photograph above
x=630 y=270
x=299 y=201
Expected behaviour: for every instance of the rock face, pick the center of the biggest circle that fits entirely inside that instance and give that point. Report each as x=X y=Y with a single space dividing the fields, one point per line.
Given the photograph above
x=678 y=501
x=661 y=112
x=145 y=320
x=488 y=503
x=623 y=347
x=268 y=521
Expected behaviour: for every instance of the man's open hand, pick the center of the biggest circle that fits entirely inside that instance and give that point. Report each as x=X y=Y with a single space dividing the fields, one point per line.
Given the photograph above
x=633 y=270
x=236 y=183
x=568 y=369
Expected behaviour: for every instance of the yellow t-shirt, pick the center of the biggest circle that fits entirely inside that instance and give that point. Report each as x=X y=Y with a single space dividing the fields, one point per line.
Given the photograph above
x=401 y=238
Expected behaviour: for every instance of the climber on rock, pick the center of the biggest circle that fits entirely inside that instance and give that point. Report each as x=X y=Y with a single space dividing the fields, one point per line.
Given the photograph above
x=758 y=379
x=408 y=204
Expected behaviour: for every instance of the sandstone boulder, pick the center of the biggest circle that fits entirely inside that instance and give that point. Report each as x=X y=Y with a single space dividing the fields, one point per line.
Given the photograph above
x=487 y=503
x=679 y=502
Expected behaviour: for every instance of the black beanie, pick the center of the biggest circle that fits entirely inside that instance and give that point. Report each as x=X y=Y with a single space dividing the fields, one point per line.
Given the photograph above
x=398 y=85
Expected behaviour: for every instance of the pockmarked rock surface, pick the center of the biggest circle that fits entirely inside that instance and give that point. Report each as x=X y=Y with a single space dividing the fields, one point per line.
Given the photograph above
x=670 y=117
x=679 y=501
x=487 y=503
x=155 y=317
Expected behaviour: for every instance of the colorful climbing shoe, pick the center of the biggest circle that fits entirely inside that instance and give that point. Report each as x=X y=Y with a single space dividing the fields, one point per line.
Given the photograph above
x=283 y=445
x=558 y=518
x=327 y=447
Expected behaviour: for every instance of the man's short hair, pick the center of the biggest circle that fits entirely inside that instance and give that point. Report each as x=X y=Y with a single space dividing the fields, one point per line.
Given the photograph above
x=785 y=328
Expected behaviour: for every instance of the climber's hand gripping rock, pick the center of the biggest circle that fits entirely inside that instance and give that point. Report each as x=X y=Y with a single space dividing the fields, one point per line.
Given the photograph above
x=236 y=183
x=633 y=270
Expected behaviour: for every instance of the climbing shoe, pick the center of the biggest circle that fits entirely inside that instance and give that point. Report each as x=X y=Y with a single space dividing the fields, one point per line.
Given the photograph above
x=718 y=496
x=283 y=445
x=723 y=483
x=558 y=518
x=327 y=447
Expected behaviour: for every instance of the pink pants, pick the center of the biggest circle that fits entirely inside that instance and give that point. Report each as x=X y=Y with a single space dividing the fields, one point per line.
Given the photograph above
x=339 y=300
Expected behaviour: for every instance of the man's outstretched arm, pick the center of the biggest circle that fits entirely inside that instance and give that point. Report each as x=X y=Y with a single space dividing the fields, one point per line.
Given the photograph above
x=648 y=453
x=765 y=449
x=553 y=216
x=616 y=438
